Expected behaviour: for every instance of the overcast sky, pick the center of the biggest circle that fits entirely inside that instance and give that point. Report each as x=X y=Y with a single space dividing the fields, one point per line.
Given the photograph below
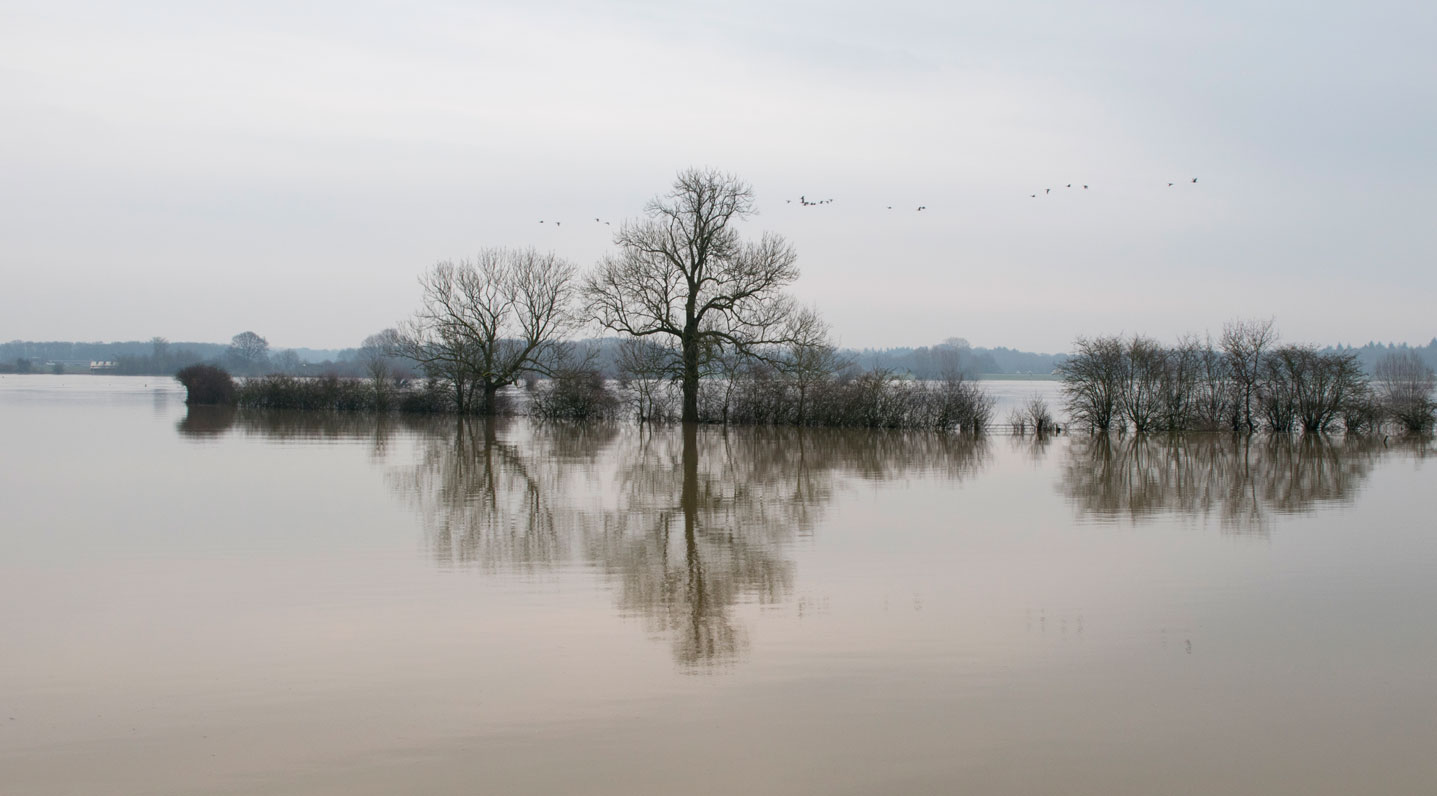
x=193 y=170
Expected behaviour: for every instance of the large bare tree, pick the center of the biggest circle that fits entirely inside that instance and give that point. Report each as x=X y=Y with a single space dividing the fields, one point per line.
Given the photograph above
x=485 y=322
x=685 y=278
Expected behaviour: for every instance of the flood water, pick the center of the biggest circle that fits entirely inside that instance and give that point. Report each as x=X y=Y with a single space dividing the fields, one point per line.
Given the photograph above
x=213 y=602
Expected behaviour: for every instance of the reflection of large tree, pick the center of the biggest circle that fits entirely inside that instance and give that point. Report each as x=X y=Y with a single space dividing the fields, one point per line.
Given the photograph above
x=689 y=522
x=695 y=533
x=1241 y=480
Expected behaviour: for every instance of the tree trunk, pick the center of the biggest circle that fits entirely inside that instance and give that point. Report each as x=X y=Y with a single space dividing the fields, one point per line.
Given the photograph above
x=690 y=381
x=490 y=407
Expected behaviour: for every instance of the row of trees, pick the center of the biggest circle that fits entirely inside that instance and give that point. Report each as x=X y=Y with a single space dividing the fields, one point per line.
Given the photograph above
x=697 y=300
x=1247 y=381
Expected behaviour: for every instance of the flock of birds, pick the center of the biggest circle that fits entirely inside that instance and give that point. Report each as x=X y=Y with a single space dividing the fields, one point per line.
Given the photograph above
x=1047 y=191
x=597 y=221
x=804 y=201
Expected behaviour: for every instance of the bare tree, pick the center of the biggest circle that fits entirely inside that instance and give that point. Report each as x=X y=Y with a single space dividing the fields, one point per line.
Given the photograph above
x=486 y=322
x=684 y=276
x=809 y=359
x=1405 y=386
x=1035 y=414
x=248 y=351
x=377 y=354
x=1213 y=393
x=1093 y=381
x=286 y=361
x=643 y=365
x=1141 y=393
x=1246 y=343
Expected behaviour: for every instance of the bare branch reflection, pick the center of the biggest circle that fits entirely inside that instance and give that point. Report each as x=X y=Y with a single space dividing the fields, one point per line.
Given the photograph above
x=688 y=522
x=491 y=496
x=1241 y=481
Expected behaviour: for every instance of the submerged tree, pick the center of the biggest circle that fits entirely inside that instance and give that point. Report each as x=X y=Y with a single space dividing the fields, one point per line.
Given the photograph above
x=1246 y=344
x=685 y=278
x=486 y=322
x=1093 y=382
x=1405 y=386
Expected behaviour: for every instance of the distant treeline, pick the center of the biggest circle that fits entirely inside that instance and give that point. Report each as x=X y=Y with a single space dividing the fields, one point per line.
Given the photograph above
x=923 y=362
x=160 y=357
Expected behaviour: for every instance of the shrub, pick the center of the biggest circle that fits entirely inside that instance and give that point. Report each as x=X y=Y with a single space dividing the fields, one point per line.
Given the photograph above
x=325 y=393
x=207 y=385
x=575 y=395
x=432 y=398
x=1405 y=385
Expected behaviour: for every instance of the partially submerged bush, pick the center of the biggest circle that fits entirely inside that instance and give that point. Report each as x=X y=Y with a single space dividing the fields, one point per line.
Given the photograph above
x=289 y=392
x=875 y=399
x=207 y=385
x=1405 y=386
x=1032 y=416
x=575 y=395
x=429 y=398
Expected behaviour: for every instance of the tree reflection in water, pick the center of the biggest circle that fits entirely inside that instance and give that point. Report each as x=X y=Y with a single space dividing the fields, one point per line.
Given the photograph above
x=1242 y=481
x=689 y=522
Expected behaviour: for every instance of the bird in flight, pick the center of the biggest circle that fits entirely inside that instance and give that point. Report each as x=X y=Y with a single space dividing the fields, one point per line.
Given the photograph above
x=1194 y=180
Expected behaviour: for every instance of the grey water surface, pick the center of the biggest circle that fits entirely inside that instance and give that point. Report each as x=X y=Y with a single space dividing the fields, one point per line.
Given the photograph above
x=206 y=601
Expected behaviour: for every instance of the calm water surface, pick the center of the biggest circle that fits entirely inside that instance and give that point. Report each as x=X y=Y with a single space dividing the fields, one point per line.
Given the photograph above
x=211 y=602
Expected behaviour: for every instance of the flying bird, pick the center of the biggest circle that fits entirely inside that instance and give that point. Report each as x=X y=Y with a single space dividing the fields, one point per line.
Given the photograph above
x=1047 y=190
x=1194 y=180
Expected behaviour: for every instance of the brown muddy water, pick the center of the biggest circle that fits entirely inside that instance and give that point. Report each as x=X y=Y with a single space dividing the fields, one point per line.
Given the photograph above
x=211 y=602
